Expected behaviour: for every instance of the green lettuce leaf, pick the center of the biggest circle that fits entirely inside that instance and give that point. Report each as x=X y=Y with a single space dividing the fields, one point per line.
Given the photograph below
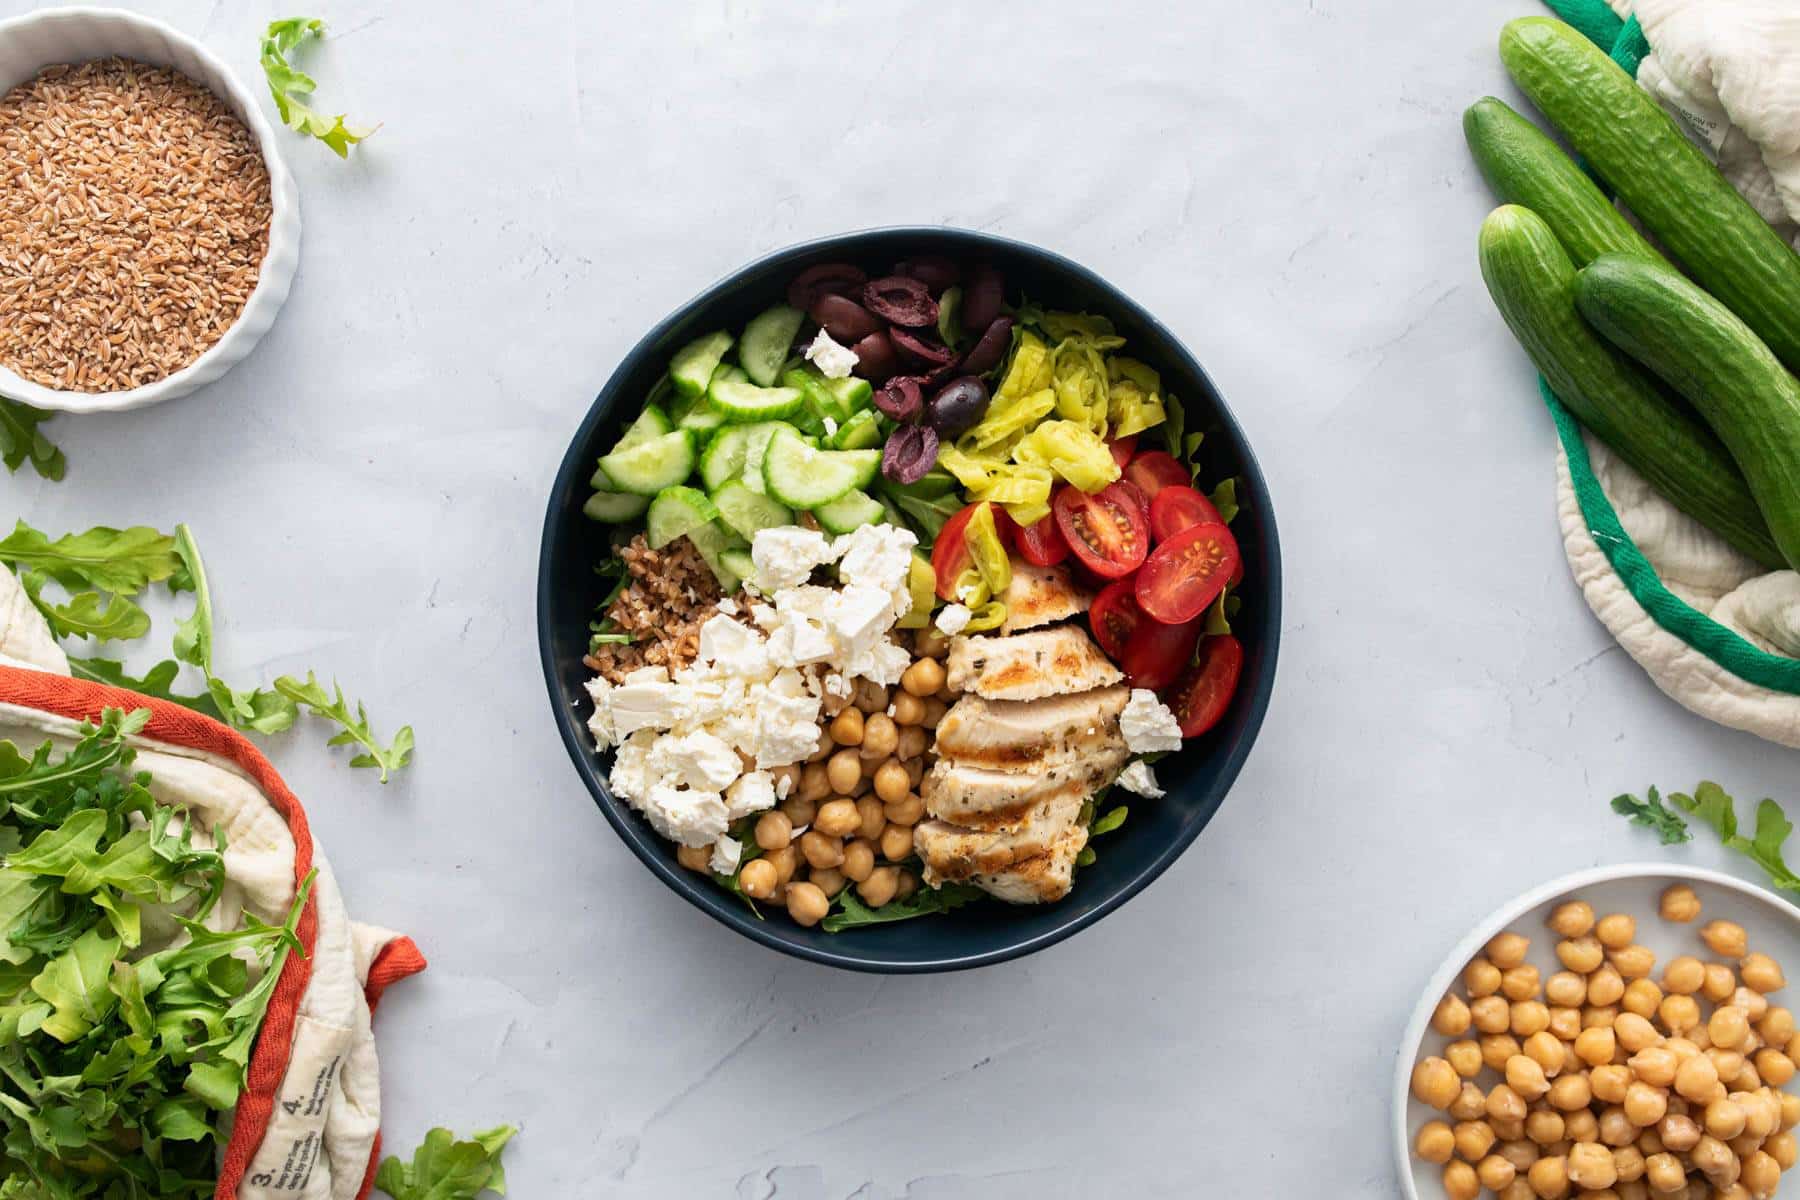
x=21 y=441
x=444 y=1168
x=293 y=88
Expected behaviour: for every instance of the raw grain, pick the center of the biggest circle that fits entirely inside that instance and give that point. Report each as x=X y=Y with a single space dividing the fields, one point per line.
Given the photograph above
x=134 y=215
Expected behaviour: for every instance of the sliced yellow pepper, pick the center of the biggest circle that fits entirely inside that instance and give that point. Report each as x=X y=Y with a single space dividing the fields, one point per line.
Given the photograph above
x=987 y=551
x=990 y=615
x=921 y=586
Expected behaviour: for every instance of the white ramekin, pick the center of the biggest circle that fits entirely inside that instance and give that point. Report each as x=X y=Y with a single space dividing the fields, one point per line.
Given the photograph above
x=72 y=35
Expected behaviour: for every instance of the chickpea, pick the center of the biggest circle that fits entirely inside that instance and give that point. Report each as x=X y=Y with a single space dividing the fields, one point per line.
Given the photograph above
x=815 y=783
x=1549 y=1177
x=1435 y=1143
x=799 y=810
x=1683 y=1049
x=1567 y=989
x=821 y=849
x=1465 y=1057
x=1679 y=1133
x=1723 y=1119
x=870 y=696
x=1773 y=1067
x=1748 y=1079
x=1664 y=1173
x=1725 y=938
x=1696 y=1080
x=915 y=770
x=1616 y=930
x=909 y=710
x=1683 y=976
x=1526 y=1076
x=1721 y=982
x=1571 y=919
x=1544 y=1126
x=1713 y=1157
x=912 y=743
x=1565 y=1023
x=1789 y=1105
x=1491 y=1014
x=882 y=884
x=786 y=861
x=1494 y=1172
x=1679 y=1014
x=1728 y=1063
x=1762 y=1112
x=1634 y=1033
x=1762 y=973
x=934 y=712
x=1656 y=1066
x=1529 y=1017
x=1496 y=1048
x=1520 y=982
x=1679 y=904
x=824 y=749
x=1507 y=950
x=1783 y=1149
x=1520 y=1152
x=874 y=818
x=859 y=861
x=896 y=843
x=1581 y=1127
x=909 y=883
x=880 y=736
x=1504 y=1104
x=1570 y=1093
x=872 y=765
x=1591 y=1166
x=1547 y=1050
x=1595 y=1046
x=694 y=858
x=1633 y=962
x=1645 y=1105
x=829 y=880
x=756 y=879
x=847 y=727
x=1777 y=1027
x=1605 y=986
x=923 y=678
x=1480 y=978
x=1518 y=1189
x=1760 y=1176
x=1470 y=1104
x=807 y=903
x=908 y=810
x=844 y=770
x=1609 y=1082
x=838 y=818
x=1461 y=1182
x=1596 y=1016
x=1473 y=1140
x=1728 y=1027
x=1753 y=1002
x=931 y=642
x=1582 y=955
x=1641 y=997
x=774 y=830
x=1649 y=1142
x=1628 y=1161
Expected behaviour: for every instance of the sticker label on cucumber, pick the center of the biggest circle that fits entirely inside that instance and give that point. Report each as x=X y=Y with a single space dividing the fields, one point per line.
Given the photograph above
x=1706 y=127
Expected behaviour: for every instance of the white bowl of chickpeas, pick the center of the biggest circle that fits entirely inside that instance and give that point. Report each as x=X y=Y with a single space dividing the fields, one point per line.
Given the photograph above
x=1617 y=1034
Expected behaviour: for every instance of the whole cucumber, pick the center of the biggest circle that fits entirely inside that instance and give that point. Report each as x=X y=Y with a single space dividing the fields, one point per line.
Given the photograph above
x=1524 y=166
x=1533 y=283
x=1730 y=376
x=1667 y=182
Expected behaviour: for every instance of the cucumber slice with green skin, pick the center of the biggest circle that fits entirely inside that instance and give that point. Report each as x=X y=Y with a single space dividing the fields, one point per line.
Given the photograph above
x=652 y=422
x=768 y=339
x=748 y=402
x=650 y=466
x=675 y=512
x=729 y=450
x=853 y=395
x=821 y=401
x=852 y=510
x=802 y=477
x=746 y=512
x=754 y=450
x=861 y=432
x=703 y=420
x=615 y=508
x=714 y=541
x=737 y=560
x=691 y=370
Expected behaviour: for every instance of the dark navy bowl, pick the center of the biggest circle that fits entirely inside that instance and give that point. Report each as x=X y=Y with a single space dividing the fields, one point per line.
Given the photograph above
x=1196 y=778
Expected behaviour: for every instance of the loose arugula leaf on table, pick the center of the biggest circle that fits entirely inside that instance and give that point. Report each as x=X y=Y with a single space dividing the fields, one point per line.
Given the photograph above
x=1712 y=805
x=125 y=561
x=356 y=730
x=264 y=710
x=104 y=617
x=293 y=88
x=853 y=913
x=21 y=441
x=1653 y=814
x=444 y=1168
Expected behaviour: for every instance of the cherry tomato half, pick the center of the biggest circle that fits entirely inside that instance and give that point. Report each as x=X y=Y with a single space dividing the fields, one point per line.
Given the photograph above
x=1041 y=543
x=1187 y=573
x=1122 y=449
x=1178 y=506
x=1107 y=531
x=950 y=555
x=1114 y=617
x=1203 y=693
x=1157 y=653
x=1154 y=470
x=1137 y=495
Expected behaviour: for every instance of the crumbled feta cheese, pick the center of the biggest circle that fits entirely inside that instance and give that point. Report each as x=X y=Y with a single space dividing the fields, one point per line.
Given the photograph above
x=1138 y=777
x=726 y=856
x=787 y=728
x=834 y=360
x=631 y=778
x=859 y=615
x=837 y=685
x=752 y=793
x=686 y=816
x=786 y=556
x=1148 y=725
x=649 y=704
x=783 y=786
x=880 y=557
x=952 y=619
x=797 y=640
x=601 y=723
x=696 y=760
x=763 y=615
x=728 y=606
x=884 y=662
x=733 y=647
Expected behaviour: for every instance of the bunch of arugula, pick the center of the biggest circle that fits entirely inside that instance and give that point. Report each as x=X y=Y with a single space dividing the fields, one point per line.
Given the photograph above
x=1714 y=806
x=119 y=1049
x=293 y=88
x=104 y=570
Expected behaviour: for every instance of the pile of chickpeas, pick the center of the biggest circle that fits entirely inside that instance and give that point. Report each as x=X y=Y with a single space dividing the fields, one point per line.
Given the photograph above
x=848 y=814
x=1612 y=1085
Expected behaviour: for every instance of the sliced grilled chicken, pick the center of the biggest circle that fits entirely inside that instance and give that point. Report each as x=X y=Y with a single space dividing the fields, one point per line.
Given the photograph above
x=1030 y=666
x=1039 y=595
x=1001 y=801
x=1015 y=735
x=953 y=852
x=1041 y=880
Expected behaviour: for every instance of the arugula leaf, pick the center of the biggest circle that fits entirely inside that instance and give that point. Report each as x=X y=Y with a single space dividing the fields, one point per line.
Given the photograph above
x=292 y=88
x=1224 y=498
x=1712 y=805
x=1174 y=425
x=356 y=728
x=1654 y=815
x=266 y=711
x=158 y=681
x=22 y=440
x=114 y=560
x=854 y=913
x=447 y=1169
x=87 y=614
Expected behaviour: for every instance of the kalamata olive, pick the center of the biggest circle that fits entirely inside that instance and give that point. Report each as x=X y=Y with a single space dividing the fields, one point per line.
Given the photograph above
x=933 y=270
x=986 y=354
x=935 y=378
x=875 y=357
x=901 y=398
x=982 y=297
x=920 y=348
x=900 y=300
x=821 y=278
x=959 y=407
x=910 y=453
x=843 y=318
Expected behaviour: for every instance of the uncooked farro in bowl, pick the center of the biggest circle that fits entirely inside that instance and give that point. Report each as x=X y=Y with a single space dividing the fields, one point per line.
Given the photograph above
x=148 y=228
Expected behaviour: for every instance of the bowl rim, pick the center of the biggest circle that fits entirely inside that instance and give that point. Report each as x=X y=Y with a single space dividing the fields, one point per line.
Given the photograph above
x=1413 y=1036
x=574 y=732
x=280 y=258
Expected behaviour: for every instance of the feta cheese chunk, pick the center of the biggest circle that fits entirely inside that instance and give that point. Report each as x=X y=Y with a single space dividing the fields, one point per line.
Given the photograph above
x=835 y=361
x=752 y=793
x=1148 y=725
x=1138 y=777
x=952 y=619
x=787 y=728
x=726 y=856
x=599 y=689
x=860 y=615
x=880 y=557
x=786 y=556
x=732 y=647
x=696 y=760
x=684 y=815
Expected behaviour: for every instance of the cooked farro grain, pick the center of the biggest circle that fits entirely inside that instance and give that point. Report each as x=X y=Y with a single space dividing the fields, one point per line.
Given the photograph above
x=134 y=213
x=672 y=593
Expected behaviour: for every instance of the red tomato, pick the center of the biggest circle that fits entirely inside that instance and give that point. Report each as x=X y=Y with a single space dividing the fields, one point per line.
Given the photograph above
x=1203 y=693
x=1137 y=495
x=1107 y=531
x=950 y=553
x=1178 y=506
x=1114 y=617
x=1122 y=449
x=1005 y=526
x=1157 y=653
x=1041 y=543
x=1186 y=573
x=1154 y=470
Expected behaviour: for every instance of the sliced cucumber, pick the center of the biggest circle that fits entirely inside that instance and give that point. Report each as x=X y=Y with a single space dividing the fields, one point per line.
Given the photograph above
x=746 y=511
x=852 y=394
x=737 y=560
x=675 y=512
x=693 y=365
x=767 y=340
x=729 y=450
x=650 y=466
x=802 y=477
x=747 y=402
x=615 y=508
x=652 y=422
x=703 y=420
x=861 y=432
x=714 y=541
x=852 y=510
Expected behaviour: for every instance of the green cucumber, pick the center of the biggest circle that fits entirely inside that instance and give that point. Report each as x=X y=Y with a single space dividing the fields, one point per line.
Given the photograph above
x=715 y=542
x=652 y=422
x=650 y=466
x=615 y=508
x=802 y=477
x=768 y=339
x=838 y=399
x=1533 y=282
x=852 y=510
x=736 y=451
x=693 y=365
x=755 y=448
x=1669 y=184
x=861 y=432
x=676 y=512
x=852 y=394
x=1730 y=376
x=747 y=511
x=748 y=402
x=737 y=560
x=1524 y=166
